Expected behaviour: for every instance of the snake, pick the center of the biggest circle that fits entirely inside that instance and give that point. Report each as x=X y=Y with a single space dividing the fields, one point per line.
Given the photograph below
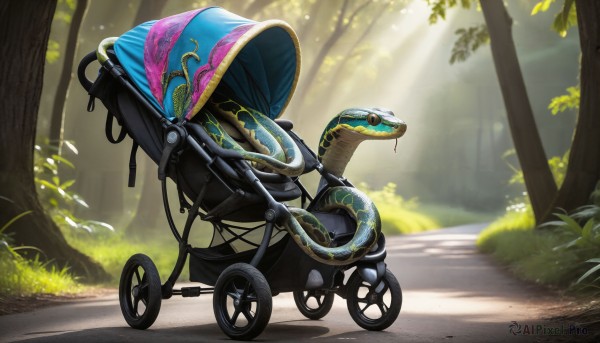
x=263 y=142
x=182 y=94
x=275 y=149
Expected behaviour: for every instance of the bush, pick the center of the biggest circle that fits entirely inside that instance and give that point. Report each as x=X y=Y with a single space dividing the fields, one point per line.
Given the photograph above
x=398 y=215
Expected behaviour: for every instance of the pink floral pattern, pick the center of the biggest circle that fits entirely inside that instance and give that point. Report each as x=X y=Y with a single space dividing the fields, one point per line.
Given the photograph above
x=204 y=74
x=160 y=41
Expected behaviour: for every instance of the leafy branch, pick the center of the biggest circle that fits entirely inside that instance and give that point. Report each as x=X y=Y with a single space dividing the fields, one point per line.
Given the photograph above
x=564 y=19
x=469 y=40
x=569 y=101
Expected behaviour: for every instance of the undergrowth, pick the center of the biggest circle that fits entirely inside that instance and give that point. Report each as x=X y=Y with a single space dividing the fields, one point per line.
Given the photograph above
x=113 y=249
x=22 y=276
x=558 y=254
x=398 y=216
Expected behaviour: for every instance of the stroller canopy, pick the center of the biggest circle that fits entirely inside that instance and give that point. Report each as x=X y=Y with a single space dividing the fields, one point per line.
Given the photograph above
x=178 y=62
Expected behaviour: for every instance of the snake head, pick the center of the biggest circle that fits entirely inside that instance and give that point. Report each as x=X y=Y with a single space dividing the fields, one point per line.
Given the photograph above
x=373 y=123
x=349 y=128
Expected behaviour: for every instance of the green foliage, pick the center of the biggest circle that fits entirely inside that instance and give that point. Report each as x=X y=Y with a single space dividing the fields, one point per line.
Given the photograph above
x=586 y=237
x=528 y=253
x=22 y=276
x=63 y=15
x=397 y=214
x=591 y=270
x=557 y=255
x=564 y=19
x=582 y=231
x=439 y=7
x=569 y=101
x=55 y=194
x=558 y=167
x=53 y=53
x=541 y=6
x=112 y=250
x=469 y=40
x=447 y=215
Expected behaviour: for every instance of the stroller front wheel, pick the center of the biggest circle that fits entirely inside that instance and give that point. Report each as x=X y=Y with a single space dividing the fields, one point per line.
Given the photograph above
x=374 y=307
x=314 y=304
x=140 y=292
x=242 y=301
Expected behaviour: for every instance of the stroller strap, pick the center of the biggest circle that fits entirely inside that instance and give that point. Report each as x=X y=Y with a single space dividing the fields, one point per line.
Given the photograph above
x=108 y=129
x=132 y=164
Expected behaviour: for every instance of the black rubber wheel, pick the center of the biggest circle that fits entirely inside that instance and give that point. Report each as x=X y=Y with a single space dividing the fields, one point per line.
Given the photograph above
x=140 y=292
x=376 y=307
x=242 y=301
x=314 y=304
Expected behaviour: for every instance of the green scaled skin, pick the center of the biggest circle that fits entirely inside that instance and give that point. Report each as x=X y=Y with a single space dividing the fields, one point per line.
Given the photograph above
x=275 y=150
x=351 y=127
x=361 y=209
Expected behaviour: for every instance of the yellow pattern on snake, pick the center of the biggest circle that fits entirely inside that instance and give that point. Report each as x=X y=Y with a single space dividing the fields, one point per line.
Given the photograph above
x=278 y=152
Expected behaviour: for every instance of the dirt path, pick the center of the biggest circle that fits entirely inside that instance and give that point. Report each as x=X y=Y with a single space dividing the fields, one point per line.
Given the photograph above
x=451 y=294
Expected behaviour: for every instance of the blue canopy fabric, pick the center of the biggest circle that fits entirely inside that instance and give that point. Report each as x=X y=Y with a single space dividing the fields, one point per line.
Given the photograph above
x=179 y=61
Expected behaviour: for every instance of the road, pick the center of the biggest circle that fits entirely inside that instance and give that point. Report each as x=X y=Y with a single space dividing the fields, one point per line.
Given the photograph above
x=451 y=294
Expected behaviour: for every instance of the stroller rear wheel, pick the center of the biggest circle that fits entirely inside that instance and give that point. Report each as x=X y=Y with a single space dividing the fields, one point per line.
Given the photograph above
x=140 y=292
x=318 y=307
x=242 y=301
x=374 y=307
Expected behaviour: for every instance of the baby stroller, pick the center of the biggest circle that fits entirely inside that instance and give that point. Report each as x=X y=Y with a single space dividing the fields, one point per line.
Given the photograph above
x=200 y=92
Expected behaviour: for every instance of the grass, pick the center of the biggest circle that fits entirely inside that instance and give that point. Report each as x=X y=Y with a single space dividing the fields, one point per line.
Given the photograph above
x=112 y=250
x=557 y=255
x=531 y=253
x=448 y=216
x=398 y=216
x=21 y=276
x=25 y=277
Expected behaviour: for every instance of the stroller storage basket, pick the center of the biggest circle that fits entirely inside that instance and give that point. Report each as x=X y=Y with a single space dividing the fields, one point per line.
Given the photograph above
x=284 y=265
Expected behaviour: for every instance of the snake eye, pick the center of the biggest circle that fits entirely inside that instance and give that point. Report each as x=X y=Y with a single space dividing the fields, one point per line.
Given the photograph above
x=373 y=119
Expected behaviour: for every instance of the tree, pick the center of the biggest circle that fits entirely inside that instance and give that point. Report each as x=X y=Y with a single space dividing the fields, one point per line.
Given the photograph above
x=528 y=144
x=343 y=22
x=62 y=89
x=24 y=51
x=149 y=10
x=583 y=171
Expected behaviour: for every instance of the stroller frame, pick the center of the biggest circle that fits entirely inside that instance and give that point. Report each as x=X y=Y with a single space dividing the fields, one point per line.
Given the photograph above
x=230 y=169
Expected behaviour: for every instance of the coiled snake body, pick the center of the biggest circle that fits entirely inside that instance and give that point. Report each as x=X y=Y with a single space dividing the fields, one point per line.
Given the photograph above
x=275 y=150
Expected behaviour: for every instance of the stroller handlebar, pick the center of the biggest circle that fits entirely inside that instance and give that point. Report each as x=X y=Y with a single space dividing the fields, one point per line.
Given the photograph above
x=85 y=62
x=104 y=45
x=101 y=54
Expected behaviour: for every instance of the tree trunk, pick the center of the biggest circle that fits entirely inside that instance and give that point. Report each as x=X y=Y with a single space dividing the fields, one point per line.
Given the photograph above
x=24 y=53
x=149 y=10
x=62 y=89
x=340 y=28
x=583 y=171
x=526 y=139
x=340 y=69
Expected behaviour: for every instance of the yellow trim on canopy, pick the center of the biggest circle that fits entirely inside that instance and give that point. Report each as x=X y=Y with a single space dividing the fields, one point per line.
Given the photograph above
x=257 y=29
